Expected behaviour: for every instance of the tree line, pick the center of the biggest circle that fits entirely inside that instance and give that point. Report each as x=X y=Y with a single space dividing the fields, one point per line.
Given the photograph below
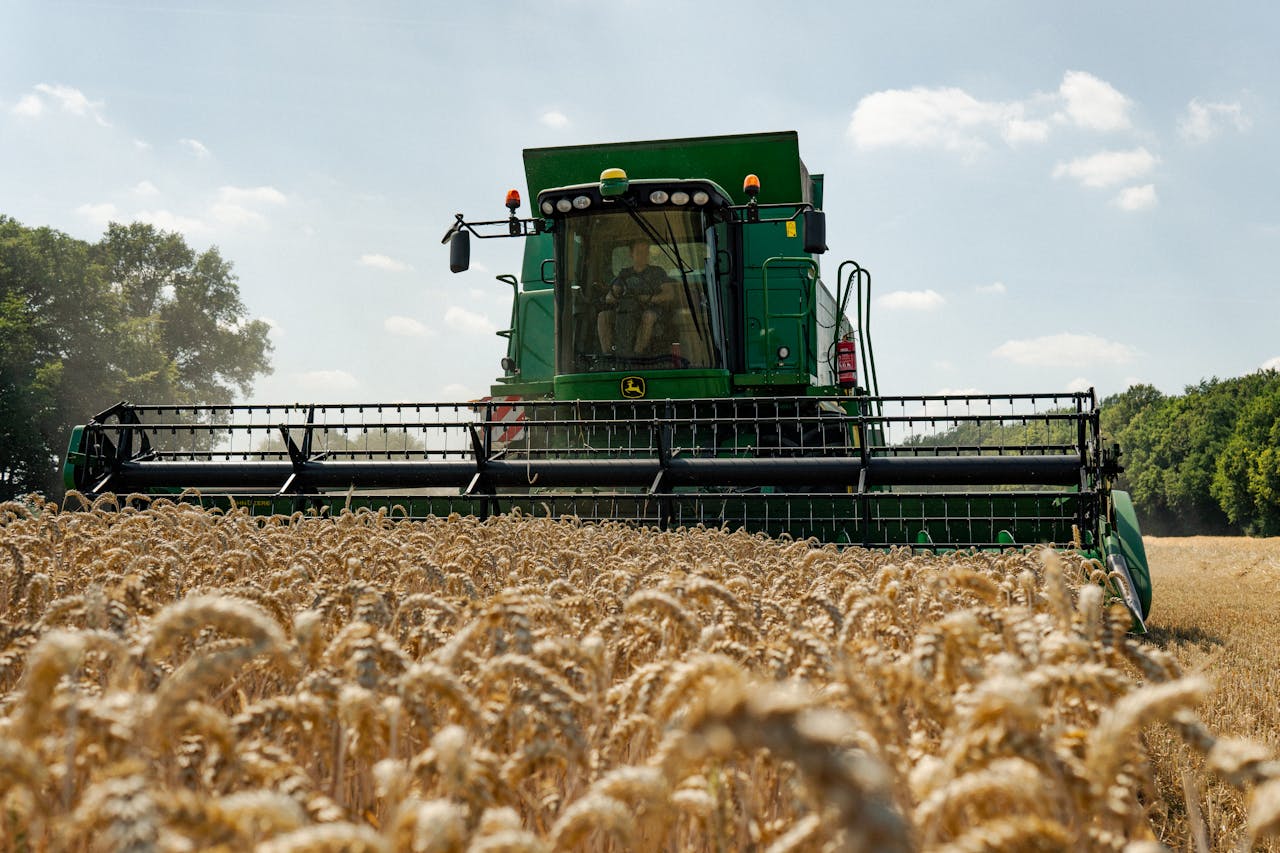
x=1206 y=461
x=138 y=315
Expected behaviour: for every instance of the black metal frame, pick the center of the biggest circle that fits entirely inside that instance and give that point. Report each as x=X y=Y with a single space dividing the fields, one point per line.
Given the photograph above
x=669 y=459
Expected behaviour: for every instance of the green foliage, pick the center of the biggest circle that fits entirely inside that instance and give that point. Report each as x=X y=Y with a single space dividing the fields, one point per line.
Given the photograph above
x=136 y=316
x=1190 y=457
x=1204 y=462
x=1172 y=447
x=1119 y=409
x=1246 y=481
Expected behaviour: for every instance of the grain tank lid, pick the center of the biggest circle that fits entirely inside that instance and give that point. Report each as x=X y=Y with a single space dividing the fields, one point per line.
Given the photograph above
x=725 y=160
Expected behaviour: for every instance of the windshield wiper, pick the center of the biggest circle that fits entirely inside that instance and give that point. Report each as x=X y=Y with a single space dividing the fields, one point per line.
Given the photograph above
x=656 y=238
x=684 y=279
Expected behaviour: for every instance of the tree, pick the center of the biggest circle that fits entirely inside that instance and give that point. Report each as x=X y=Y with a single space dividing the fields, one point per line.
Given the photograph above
x=1172 y=448
x=1246 y=481
x=47 y=298
x=1118 y=410
x=23 y=456
x=187 y=338
x=137 y=316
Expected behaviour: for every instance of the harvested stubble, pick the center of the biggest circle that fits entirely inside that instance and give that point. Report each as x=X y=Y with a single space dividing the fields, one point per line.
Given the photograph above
x=180 y=679
x=1216 y=614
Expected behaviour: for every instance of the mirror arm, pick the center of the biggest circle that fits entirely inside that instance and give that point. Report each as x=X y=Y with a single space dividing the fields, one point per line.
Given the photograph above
x=515 y=227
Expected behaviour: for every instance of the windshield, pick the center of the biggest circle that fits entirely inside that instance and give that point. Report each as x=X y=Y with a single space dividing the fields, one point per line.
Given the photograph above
x=634 y=294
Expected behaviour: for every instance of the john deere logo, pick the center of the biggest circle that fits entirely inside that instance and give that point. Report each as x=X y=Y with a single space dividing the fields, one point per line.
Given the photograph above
x=633 y=387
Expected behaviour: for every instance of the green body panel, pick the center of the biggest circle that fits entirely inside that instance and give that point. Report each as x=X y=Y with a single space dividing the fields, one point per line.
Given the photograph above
x=1131 y=547
x=525 y=390
x=73 y=459
x=659 y=384
x=537 y=248
x=774 y=381
x=786 y=304
x=531 y=343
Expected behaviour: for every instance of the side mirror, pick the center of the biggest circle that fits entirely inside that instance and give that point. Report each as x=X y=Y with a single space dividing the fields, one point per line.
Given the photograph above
x=460 y=251
x=815 y=231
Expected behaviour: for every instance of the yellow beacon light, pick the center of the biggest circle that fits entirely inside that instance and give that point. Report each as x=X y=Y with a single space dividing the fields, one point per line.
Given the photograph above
x=751 y=186
x=613 y=182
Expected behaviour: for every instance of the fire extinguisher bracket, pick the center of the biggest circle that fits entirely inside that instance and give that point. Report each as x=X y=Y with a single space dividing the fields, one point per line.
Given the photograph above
x=846 y=364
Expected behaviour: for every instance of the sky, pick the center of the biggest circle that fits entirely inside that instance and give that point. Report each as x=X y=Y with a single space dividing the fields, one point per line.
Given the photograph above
x=1049 y=196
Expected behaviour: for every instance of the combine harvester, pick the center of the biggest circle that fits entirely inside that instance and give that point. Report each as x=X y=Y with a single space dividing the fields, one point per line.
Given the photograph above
x=673 y=358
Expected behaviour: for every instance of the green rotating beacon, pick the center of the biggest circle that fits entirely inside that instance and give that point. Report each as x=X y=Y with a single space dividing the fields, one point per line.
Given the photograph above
x=674 y=358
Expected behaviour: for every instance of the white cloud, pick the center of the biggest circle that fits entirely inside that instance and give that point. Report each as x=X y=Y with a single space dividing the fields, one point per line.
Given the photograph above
x=237 y=216
x=1020 y=130
x=235 y=205
x=1079 y=384
x=1065 y=350
x=141 y=145
x=1271 y=364
x=952 y=119
x=996 y=288
x=382 y=262
x=327 y=380
x=911 y=300
x=947 y=118
x=142 y=189
x=461 y=320
x=168 y=221
x=28 y=106
x=251 y=195
x=66 y=98
x=555 y=119
x=405 y=327
x=1202 y=121
x=275 y=330
x=1092 y=103
x=105 y=212
x=1108 y=168
x=100 y=214
x=1136 y=198
x=74 y=101
x=195 y=146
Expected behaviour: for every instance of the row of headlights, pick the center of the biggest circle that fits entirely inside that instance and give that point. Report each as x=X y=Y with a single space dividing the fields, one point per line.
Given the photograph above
x=582 y=202
x=564 y=205
x=678 y=197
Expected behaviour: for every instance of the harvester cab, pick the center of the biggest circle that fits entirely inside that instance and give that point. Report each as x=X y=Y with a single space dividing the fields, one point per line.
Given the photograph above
x=674 y=358
x=698 y=290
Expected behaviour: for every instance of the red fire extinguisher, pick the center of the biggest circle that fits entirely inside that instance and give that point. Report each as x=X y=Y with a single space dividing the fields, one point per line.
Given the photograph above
x=846 y=364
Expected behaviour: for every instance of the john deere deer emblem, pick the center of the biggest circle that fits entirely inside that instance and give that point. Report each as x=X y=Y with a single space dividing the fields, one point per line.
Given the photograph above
x=633 y=387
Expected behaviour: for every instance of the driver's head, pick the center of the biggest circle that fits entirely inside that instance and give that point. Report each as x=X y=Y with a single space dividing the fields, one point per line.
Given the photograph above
x=639 y=254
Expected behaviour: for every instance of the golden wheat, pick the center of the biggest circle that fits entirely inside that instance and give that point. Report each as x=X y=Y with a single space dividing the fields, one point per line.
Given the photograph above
x=178 y=679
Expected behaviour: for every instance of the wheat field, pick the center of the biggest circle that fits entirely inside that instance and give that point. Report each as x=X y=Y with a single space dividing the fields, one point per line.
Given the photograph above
x=177 y=679
x=1214 y=611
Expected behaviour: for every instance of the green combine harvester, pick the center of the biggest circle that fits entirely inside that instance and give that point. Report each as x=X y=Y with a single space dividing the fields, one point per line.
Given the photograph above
x=674 y=358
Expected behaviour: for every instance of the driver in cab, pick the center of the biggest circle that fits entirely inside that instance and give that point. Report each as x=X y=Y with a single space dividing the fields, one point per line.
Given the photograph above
x=632 y=301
